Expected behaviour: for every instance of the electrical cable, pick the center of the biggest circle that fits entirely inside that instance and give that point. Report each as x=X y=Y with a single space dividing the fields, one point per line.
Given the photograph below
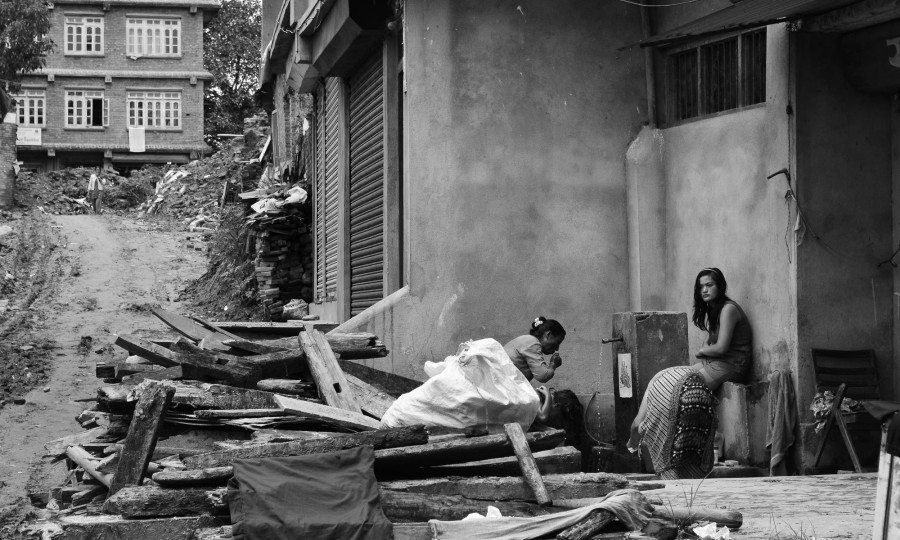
x=658 y=5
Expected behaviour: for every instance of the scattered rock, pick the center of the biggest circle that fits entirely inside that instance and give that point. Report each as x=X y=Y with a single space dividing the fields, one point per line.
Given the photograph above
x=18 y=400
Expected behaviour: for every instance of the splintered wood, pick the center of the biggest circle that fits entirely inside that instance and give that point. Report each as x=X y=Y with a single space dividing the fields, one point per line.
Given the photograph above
x=326 y=373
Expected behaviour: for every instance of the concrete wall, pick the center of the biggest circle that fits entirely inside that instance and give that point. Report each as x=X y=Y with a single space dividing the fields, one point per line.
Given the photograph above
x=518 y=116
x=721 y=211
x=844 y=177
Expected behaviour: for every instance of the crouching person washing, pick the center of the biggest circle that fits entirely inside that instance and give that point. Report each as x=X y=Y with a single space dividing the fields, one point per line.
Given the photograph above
x=536 y=353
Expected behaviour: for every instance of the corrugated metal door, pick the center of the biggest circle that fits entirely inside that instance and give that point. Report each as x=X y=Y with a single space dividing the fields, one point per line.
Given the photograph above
x=333 y=154
x=318 y=176
x=366 y=186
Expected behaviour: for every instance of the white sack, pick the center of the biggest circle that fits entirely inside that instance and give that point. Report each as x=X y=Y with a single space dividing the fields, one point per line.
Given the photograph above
x=478 y=386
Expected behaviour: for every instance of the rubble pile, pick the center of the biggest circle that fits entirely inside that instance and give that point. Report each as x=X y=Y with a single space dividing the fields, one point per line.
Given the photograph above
x=179 y=410
x=64 y=191
x=192 y=193
x=283 y=263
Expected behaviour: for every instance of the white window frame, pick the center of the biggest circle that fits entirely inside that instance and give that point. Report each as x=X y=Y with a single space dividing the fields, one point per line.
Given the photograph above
x=31 y=108
x=154 y=109
x=79 y=108
x=84 y=35
x=152 y=36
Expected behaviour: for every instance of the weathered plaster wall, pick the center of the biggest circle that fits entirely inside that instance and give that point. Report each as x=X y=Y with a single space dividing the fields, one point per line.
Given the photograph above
x=670 y=17
x=518 y=115
x=721 y=211
x=844 y=178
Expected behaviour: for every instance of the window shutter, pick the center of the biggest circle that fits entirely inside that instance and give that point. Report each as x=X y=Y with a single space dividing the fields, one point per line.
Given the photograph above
x=105 y=112
x=366 y=186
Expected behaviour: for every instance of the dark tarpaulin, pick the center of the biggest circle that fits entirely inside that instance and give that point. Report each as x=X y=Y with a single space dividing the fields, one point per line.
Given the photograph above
x=744 y=15
x=321 y=496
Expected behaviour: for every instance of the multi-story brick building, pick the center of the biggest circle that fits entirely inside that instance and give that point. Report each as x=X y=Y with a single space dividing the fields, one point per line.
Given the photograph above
x=122 y=73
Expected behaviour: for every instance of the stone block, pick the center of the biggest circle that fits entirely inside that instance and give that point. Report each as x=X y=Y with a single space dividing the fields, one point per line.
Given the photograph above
x=734 y=422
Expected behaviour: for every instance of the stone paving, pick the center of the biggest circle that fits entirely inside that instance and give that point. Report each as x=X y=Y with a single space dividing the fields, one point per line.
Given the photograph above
x=802 y=507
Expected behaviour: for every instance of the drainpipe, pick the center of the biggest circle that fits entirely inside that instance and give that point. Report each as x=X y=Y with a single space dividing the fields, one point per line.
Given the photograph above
x=645 y=197
x=648 y=69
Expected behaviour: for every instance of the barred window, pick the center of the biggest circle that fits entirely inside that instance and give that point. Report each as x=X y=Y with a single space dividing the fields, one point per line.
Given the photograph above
x=153 y=37
x=84 y=35
x=30 y=108
x=154 y=110
x=718 y=76
x=86 y=108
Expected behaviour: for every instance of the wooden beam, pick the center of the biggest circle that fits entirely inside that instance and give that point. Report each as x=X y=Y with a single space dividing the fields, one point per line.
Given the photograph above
x=402 y=507
x=83 y=459
x=239 y=413
x=58 y=447
x=562 y=460
x=196 y=477
x=155 y=353
x=853 y=17
x=595 y=522
x=171 y=373
x=409 y=436
x=193 y=330
x=462 y=450
x=103 y=526
x=138 y=502
x=371 y=400
x=332 y=415
x=253 y=346
x=142 y=434
x=330 y=380
x=505 y=488
x=392 y=384
x=294 y=387
x=276 y=364
x=290 y=328
x=530 y=471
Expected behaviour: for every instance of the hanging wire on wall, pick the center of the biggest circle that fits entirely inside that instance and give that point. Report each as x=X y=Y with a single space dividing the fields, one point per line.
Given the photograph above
x=659 y=5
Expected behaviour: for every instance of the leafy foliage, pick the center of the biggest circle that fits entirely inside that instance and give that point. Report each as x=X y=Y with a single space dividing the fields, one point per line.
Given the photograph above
x=24 y=40
x=232 y=55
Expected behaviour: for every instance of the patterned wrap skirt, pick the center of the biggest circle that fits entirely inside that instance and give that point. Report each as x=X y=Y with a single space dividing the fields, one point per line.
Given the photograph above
x=680 y=424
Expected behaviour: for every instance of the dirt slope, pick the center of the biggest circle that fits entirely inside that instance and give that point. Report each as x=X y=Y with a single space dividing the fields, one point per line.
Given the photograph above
x=116 y=268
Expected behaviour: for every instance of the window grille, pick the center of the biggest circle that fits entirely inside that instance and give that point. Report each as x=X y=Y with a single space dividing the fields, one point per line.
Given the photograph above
x=86 y=108
x=84 y=35
x=716 y=77
x=30 y=108
x=153 y=37
x=154 y=110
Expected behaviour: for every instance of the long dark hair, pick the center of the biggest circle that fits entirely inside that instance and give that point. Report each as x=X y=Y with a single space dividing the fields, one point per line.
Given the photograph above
x=542 y=324
x=706 y=316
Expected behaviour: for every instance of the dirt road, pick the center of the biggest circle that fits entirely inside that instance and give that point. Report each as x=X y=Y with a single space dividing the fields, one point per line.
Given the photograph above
x=115 y=268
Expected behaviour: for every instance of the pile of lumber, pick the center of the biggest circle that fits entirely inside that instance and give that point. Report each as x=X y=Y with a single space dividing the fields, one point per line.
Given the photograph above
x=168 y=423
x=279 y=225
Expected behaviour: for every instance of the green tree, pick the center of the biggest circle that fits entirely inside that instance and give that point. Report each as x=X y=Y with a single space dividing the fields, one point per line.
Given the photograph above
x=232 y=55
x=23 y=43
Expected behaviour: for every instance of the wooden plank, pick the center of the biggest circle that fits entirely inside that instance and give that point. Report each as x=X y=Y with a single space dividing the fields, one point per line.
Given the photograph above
x=371 y=400
x=138 y=502
x=595 y=522
x=142 y=434
x=290 y=328
x=151 y=351
x=409 y=436
x=356 y=345
x=87 y=462
x=883 y=491
x=326 y=373
x=276 y=364
x=172 y=373
x=78 y=526
x=402 y=507
x=199 y=364
x=239 y=413
x=196 y=477
x=214 y=328
x=505 y=488
x=58 y=447
x=87 y=495
x=530 y=471
x=390 y=383
x=462 y=450
x=293 y=387
x=562 y=460
x=192 y=329
x=325 y=413
x=254 y=346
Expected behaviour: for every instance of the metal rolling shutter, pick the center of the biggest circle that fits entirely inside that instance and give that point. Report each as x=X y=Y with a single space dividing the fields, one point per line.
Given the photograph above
x=333 y=154
x=318 y=176
x=366 y=186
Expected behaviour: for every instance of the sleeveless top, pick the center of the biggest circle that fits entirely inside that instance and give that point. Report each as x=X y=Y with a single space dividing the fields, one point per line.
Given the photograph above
x=740 y=350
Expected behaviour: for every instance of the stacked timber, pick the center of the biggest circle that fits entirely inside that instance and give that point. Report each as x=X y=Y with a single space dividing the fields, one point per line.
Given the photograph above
x=169 y=422
x=280 y=227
